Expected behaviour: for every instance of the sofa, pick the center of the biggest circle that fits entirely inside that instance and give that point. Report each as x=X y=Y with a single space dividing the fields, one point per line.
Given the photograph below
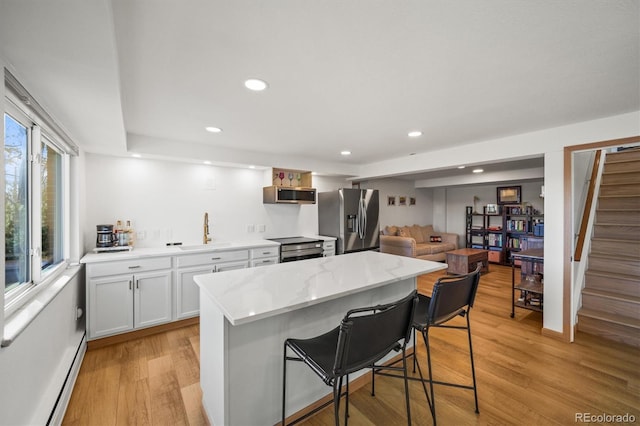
x=421 y=242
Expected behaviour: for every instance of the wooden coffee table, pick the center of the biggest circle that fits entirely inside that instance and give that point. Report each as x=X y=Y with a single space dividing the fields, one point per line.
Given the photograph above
x=466 y=260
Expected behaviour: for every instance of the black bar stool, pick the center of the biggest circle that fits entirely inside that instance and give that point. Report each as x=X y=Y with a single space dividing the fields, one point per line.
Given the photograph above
x=452 y=296
x=364 y=337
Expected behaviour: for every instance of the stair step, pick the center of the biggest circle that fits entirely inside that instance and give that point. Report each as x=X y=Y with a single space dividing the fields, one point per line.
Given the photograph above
x=613 y=247
x=625 y=189
x=618 y=216
x=607 y=301
x=613 y=282
x=619 y=203
x=620 y=178
x=616 y=232
x=621 y=166
x=610 y=326
x=624 y=155
x=616 y=264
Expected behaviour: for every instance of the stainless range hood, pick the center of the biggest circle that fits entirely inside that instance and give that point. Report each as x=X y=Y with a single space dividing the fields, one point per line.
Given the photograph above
x=285 y=195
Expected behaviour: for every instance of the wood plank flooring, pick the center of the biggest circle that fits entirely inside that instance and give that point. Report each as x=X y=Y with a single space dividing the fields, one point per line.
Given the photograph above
x=523 y=377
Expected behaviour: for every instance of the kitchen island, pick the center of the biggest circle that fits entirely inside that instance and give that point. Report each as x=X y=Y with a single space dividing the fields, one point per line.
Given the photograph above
x=245 y=316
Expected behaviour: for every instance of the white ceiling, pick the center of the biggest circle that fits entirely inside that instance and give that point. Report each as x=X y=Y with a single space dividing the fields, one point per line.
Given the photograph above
x=149 y=75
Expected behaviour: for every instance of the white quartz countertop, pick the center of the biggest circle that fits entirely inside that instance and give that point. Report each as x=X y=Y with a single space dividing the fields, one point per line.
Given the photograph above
x=138 y=253
x=248 y=295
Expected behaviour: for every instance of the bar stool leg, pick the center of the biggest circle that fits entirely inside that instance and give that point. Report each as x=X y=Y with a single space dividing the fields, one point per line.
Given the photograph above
x=473 y=370
x=425 y=335
x=284 y=382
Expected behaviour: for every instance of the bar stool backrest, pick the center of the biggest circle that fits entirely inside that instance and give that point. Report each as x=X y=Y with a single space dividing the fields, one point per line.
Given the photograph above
x=452 y=296
x=368 y=334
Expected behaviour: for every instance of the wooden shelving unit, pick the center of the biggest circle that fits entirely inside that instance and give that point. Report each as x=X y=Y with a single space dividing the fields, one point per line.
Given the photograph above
x=510 y=230
x=289 y=178
x=527 y=290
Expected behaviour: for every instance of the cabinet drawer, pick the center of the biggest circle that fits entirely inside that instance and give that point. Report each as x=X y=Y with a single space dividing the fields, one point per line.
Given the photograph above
x=264 y=261
x=128 y=266
x=258 y=253
x=329 y=245
x=211 y=258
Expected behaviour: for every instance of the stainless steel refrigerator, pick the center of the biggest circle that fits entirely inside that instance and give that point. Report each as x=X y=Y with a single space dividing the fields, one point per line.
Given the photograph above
x=351 y=216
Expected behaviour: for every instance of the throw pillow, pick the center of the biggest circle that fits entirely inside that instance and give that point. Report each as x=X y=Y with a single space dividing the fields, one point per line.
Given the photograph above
x=404 y=232
x=416 y=233
x=427 y=232
x=391 y=230
x=435 y=239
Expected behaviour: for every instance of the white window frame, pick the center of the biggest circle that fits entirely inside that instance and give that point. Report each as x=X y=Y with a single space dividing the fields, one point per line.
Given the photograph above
x=42 y=130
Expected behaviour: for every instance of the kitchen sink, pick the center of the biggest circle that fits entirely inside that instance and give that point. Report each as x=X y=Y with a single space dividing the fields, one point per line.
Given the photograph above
x=204 y=246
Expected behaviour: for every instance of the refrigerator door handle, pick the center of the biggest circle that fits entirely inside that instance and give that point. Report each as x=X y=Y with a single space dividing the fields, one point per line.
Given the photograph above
x=363 y=218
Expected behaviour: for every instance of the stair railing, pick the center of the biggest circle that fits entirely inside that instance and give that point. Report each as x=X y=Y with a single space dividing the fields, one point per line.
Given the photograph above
x=577 y=255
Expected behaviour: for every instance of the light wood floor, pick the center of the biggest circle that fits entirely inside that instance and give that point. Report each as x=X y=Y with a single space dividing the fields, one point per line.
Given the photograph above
x=523 y=377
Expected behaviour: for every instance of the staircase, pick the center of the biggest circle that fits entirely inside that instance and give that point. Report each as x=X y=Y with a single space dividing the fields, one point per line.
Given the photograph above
x=611 y=296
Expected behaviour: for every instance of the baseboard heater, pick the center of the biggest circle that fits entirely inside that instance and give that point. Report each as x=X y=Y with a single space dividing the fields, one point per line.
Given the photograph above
x=62 y=402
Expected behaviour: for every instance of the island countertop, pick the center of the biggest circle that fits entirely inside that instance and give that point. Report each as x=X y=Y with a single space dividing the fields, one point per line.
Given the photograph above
x=248 y=295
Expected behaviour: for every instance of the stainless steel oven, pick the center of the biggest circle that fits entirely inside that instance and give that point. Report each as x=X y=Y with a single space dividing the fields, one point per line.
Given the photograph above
x=298 y=248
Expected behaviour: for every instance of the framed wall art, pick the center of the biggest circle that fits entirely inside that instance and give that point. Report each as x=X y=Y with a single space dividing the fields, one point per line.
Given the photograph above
x=509 y=195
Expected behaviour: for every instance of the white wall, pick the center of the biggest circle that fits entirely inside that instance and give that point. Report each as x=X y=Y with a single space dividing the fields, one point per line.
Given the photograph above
x=167 y=201
x=421 y=213
x=34 y=367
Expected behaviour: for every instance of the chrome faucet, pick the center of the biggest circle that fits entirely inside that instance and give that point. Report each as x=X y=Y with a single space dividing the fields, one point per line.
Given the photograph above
x=206 y=238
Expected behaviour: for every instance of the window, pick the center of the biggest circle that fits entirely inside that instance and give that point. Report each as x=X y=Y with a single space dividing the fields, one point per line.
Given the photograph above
x=36 y=163
x=16 y=206
x=51 y=206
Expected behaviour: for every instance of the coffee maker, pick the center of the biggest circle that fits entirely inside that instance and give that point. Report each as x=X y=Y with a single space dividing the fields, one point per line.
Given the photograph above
x=106 y=237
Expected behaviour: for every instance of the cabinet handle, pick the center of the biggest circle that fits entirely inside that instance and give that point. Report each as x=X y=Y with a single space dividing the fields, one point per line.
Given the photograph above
x=134 y=267
x=266 y=261
x=266 y=252
x=129 y=284
x=216 y=258
x=137 y=285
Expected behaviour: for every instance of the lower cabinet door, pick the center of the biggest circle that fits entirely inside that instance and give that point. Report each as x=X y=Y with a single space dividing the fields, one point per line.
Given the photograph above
x=110 y=305
x=188 y=292
x=152 y=298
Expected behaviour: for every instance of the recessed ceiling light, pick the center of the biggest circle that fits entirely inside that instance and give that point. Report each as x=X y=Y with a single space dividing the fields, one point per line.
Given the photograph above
x=255 y=84
x=213 y=129
x=415 y=134
x=461 y=167
x=478 y=170
x=136 y=155
x=207 y=162
x=252 y=167
x=345 y=152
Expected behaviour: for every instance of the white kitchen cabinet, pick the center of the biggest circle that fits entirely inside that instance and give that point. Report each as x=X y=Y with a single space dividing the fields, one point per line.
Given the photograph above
x=120 y=301
x=328 y=248
x=110 y=305
x=152 y=298
x=187 y=300
x=265 y=256
x=148 y=287
x=187 y=292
